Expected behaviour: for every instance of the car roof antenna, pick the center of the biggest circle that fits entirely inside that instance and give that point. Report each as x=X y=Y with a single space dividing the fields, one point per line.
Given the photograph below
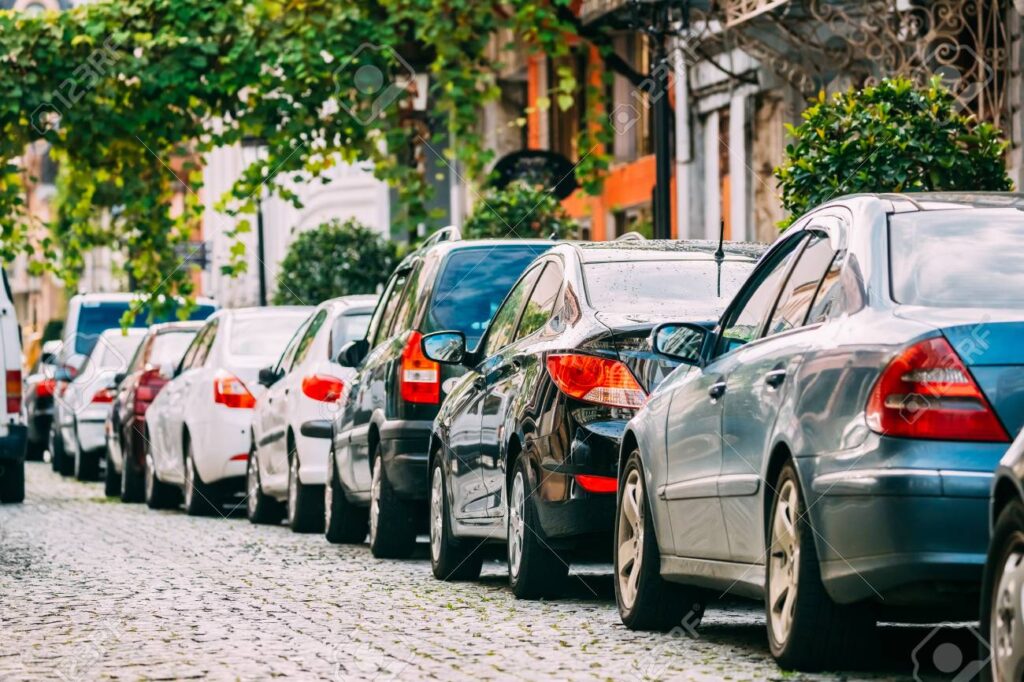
x=720 y=254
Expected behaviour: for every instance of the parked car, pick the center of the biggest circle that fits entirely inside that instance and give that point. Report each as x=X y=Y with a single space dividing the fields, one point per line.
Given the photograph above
x=38 y=397
x=84 y=404
x=382 y=432
x=525 y=447
x=291 y=427
x=149 y=370
x=198 y=428
x=89 y=315
x=831 y=446
x=1002 y=594
x=13 y=432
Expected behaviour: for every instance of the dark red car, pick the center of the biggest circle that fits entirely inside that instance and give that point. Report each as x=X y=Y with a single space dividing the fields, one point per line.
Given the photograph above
x=152 y=367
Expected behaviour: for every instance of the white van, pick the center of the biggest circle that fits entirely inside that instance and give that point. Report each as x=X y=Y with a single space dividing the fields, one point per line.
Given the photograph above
x=13 y=433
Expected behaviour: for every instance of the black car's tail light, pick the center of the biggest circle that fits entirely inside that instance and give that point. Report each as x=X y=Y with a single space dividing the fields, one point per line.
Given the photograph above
x=596 y=380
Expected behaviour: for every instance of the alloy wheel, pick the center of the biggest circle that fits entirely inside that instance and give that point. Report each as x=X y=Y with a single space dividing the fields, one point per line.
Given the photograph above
x=784 y=566
x=630 y=537
x=436 y=514
x=252 y=486
x=375 y=498
x=190 y=481
x=329 y=491
x=150 y=476
x=516 y=524
x=1006 y=628
x=293 y=488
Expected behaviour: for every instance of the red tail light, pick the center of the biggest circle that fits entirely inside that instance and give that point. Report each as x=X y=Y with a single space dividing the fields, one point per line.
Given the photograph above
x=597 y=484
x=323 y=388
x=419 y=379
x=596 y=380
x=927 y=392
x=146 y=391
x=45 y=388
x=13 y=391
x=104 y=395
x=228 y=390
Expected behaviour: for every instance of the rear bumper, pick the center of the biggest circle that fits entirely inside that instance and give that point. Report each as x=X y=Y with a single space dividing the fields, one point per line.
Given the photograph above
x=90 y=434
x=12 y=444
x=897 y=534
x=403 y=449
x=584 y=515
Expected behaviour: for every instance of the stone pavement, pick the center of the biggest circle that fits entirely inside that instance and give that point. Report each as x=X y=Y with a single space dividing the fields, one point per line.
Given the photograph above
x=96 y=589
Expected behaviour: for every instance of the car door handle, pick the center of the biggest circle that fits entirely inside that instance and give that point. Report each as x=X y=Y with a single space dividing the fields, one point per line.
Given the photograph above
x=479 y=383
x=716 y=390
x=775 y=378
x=517 y=365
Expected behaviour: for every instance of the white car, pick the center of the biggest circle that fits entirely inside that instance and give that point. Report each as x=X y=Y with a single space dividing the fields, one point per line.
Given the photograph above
x=292 y=423
x=82 y=407
x=199 y=426
x=12 y=417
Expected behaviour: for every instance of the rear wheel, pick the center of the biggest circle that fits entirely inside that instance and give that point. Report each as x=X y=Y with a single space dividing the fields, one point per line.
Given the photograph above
x=535 y=569
x=305 y=502
x=344 y=522
x=59 y=459
x=259 y=507
x=87 y=465
x=34 y=451
x=200 y=499
x=111 y=479
x=12 y=482
x=449 y=558
x=392 y=530
x=807 y=631
x=646 y=601
x=159 y=495
x=1002 y=608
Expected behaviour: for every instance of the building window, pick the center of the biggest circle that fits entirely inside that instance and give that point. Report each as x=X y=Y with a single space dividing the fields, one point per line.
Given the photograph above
x=566 y=125
x=638 y=218
x=631 y=106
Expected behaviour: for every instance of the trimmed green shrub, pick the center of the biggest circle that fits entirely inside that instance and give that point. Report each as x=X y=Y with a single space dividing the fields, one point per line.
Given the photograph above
x=519 y=210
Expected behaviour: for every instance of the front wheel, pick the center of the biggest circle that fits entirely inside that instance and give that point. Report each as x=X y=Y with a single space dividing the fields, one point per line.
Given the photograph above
x=392 y=530
x=449 y=558
x=87 y=465
x=646 y=601
x=305 y=502
x=535 y=569
x=807 y=631
x=344 y=522
x=12 y=482
x=1002 y=611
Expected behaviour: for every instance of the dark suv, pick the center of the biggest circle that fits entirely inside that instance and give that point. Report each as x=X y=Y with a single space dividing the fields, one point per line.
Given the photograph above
x=388 y=411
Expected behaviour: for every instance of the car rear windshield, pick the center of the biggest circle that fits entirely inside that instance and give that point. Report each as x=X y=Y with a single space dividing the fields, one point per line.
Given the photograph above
x=169 y=347
x=348 y=328
x=653 y=285
x=94 y=318
x=473 y=285
x=264 y=335
x=957 y=258
x=116 y=351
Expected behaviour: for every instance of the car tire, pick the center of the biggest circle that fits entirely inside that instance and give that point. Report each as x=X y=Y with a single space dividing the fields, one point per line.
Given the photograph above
x=646 y=601
x=305 y=502
x=260 y=508
x=87 y=465
x=111 y=479
x=535 y=569
x=200 y=499
x=344 y=522
x=1001 y=594
x=133 y=483
x=807 y=631
x=62 y=463
x=34 y=451
x=392 y=526
x=450 y=559
x=158 y=495
x=12 y=482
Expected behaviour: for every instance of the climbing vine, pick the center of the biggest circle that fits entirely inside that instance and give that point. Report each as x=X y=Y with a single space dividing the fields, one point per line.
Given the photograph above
x=131 y=96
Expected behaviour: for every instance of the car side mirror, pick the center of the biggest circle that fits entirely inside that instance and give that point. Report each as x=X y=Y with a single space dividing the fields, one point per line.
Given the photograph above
x=353 y=353
x=680 y=341
x=448 y=348
x=268 y=376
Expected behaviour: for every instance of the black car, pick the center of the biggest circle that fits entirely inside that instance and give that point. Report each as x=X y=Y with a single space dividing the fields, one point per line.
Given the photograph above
x=380 y=435
x=525 y=448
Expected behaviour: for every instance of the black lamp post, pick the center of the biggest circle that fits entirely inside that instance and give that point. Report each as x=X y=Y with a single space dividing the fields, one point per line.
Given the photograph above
x=253 y=149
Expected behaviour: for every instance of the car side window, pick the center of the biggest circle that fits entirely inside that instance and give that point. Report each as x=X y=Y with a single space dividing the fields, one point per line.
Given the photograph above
x=188 y=360
x=203 y=350
x=541 y=304
x=302 y=350
x=744 y=321
x=378 y=312
x=390 y=308
x=502 y=329
x=802 y=284
x=284 y=363
x=141 y=355
x=828 y=301
x=407 y=306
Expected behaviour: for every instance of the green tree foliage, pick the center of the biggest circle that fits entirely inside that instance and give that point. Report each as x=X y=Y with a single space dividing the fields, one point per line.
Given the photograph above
x=892 y=137
x=334 y=259
x=519 y=210
x=131 y=95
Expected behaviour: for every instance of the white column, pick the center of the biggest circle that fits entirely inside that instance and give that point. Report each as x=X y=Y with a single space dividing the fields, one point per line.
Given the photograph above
x=712 y=179
x=683 y=142
x=739 y=174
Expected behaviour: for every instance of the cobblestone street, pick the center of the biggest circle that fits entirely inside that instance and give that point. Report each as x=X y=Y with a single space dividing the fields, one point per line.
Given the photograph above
x=91 y=589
